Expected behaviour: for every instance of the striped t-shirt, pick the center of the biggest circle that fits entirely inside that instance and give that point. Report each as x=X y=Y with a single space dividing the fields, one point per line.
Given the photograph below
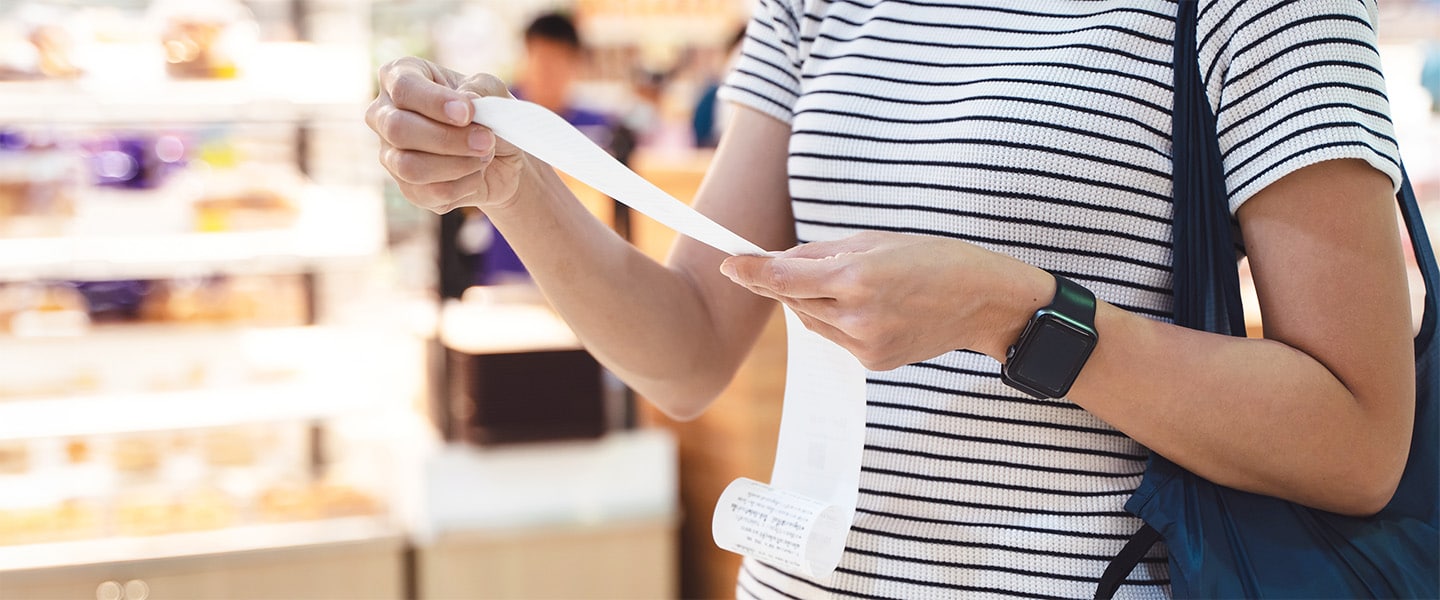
x=1039 y=129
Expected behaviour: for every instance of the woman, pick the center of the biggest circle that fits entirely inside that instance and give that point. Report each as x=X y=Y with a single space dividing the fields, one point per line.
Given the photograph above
x=939 y=164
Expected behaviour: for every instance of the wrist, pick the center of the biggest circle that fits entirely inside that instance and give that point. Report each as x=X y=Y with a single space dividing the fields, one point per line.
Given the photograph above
x=1021 y=292
x=536 y=183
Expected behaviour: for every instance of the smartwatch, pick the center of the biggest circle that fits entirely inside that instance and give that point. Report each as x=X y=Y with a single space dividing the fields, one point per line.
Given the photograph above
x=1056 y=342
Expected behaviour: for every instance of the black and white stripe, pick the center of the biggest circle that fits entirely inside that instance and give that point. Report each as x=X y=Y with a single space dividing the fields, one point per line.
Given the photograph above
x=1040 y=129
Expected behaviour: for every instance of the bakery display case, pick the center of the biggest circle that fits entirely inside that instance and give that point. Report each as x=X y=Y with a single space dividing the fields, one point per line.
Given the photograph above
x=191 y=356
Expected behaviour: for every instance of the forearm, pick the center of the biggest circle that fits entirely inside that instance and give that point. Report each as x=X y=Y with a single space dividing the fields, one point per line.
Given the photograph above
x=1322 y=410
x=641 y=319
x=676 y=334
x=1252 y=414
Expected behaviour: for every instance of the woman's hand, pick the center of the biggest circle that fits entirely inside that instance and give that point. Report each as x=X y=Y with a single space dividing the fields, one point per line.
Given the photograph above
x=429 y=145
x=893 y=299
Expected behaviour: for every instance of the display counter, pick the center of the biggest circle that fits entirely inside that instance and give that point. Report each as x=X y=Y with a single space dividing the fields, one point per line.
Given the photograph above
x=574 y=519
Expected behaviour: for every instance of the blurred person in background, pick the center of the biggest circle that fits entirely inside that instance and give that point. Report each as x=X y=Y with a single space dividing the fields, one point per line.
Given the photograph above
x=554 y=56
x=948 y=170
x=710 y=114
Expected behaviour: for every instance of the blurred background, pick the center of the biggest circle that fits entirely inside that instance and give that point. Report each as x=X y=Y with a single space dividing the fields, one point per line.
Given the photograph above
x=235 y=363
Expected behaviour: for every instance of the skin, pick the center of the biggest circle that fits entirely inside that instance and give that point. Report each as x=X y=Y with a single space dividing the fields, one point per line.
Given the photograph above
x=1319 y=412
x=551 y=69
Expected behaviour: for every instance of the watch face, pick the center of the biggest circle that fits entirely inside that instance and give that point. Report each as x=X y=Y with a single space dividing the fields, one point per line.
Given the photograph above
x=1051 y=356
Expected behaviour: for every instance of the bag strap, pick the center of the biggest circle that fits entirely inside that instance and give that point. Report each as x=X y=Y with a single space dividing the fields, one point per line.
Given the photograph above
x=1424 y=257
x=1125 y=562
x=1206 y=281
x=1205 y=273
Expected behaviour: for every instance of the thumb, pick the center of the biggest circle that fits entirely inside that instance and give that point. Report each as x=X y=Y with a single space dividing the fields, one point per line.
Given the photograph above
x=485 y=85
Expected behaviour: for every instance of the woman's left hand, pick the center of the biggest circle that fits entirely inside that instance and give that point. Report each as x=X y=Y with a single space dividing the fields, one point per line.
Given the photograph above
x=893 y=299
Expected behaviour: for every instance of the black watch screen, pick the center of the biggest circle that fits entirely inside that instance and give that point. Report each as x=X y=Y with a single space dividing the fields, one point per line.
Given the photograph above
x=1055 y=344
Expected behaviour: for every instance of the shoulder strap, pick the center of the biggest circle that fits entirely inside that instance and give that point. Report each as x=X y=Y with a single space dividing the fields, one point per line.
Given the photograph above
x=1206 y=278
x=1425 y=258
x=1125 y=561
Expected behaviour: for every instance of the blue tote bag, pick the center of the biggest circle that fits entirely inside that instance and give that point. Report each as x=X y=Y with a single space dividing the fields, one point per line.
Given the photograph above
x=1225 y=543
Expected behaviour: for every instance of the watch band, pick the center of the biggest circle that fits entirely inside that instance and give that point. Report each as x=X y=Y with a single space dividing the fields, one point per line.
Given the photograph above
x=1074 y=301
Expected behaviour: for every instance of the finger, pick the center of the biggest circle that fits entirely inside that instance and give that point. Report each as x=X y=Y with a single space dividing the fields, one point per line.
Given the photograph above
x=789 y=277
x=824 y=309
x=487 y=85
x=414 y=166
x=411 y=131
x=827 y=331
x=421 y=87
x=442 y=197
x=376 y=108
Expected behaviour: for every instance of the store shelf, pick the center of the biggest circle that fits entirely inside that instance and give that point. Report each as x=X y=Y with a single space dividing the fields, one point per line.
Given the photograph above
x=233 y=539
x=161 y=411
x=126 y=83
x=335 y=224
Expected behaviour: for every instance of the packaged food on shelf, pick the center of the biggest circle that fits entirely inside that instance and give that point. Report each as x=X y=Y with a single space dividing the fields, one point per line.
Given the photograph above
x=159 y=483
x=317 y=500
x=53 y=310
x=260 y=300
x=253 y=208
x=41 y=504
x=135 y=160
x=230 y=448
x=36 y=42
x=38 y=185
x=56 y=50
x=205 y=40
x=14 y=458
x=66 y=520
x=152 y=513
x=244 y=195
x=129 y=182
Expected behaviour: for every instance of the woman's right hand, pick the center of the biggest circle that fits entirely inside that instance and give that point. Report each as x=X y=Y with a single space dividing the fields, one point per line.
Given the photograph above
x=440 y=159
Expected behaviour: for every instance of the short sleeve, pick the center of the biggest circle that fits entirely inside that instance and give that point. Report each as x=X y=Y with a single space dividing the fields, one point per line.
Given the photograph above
x=1294 y=84
x=767 y=75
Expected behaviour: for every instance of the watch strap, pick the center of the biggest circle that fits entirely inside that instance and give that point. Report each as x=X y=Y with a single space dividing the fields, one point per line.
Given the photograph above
x=1073 y=301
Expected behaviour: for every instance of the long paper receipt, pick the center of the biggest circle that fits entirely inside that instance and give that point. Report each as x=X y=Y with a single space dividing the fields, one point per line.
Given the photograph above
x=801 y=518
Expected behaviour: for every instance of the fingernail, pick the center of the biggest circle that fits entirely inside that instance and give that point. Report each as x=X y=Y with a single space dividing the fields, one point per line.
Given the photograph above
x=455 y=110
x=481 y=140
x=727 y=270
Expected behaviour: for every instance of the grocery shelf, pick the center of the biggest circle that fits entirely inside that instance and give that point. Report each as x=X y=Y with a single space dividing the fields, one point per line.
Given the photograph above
x=232 y=539
x=126 y=83
x=334 y=224
x=160 y=411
